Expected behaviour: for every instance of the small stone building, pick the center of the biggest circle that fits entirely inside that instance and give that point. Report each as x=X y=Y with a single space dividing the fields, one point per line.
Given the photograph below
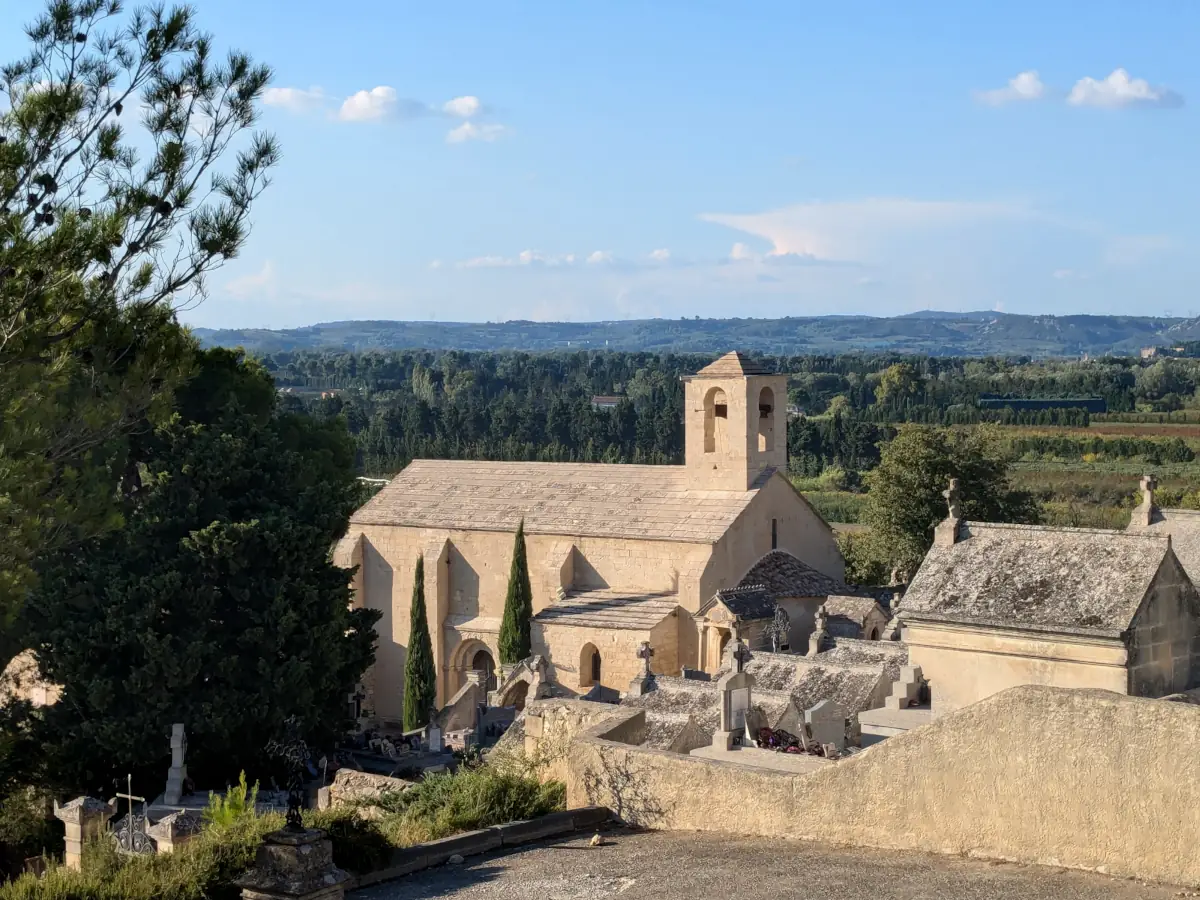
x=798 y=588
x=613 y=550
x=743 y=613
x=995 y=606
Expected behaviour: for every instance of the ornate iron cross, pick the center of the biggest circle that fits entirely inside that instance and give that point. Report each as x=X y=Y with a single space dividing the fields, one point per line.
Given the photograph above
x=294 y=753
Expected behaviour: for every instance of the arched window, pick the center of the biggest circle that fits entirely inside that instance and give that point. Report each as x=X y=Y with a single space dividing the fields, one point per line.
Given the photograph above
x=766 y=420
x=589 y=666
x=716 y=415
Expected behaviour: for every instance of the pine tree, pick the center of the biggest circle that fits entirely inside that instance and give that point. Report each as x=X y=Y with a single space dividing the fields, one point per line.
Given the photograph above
x=518 y=606
x=420 y=679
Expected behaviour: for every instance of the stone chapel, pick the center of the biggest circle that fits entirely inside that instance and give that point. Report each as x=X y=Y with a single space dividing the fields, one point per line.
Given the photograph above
x=618 y=554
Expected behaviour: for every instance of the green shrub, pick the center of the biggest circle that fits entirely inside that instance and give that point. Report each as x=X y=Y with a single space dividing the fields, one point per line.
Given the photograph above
x=26 y=830
x=202 y=869
x=442 y=805
x=236 y=806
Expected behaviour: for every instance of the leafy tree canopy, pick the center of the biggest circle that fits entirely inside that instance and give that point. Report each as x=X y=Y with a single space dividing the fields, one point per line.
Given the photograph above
x=216 y=604
x=905 y=500
x=114 y=204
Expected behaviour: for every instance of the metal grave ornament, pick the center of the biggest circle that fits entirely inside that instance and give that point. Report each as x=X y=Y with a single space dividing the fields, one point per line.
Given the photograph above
x=129 y=834
x=294 y=753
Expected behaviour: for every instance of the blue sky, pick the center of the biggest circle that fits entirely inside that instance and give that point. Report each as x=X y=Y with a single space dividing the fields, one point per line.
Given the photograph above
x=499 y=160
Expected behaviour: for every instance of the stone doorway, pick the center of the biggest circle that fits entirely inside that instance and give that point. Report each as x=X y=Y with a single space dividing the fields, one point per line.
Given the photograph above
x=482 y=662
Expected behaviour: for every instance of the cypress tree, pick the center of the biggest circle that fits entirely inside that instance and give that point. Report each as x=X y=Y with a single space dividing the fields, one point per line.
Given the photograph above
x=420 y=679
x=515 y=642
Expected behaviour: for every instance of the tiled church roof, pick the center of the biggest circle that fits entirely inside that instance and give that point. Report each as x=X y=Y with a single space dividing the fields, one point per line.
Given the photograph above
x=588 y=500
x=1024 y=576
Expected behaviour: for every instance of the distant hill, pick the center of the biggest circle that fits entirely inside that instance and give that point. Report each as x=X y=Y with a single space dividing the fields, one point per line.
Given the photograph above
x=928 y=332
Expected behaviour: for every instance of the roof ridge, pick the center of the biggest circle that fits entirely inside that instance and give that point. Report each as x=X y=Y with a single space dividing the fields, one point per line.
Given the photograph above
x=1064 y=529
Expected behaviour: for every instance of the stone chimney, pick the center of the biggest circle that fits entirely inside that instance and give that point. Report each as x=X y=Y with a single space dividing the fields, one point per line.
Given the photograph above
x=946 y=533
x=1144 y=514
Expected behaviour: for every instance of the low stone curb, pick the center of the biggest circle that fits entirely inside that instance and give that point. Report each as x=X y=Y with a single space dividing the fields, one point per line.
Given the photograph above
x=471 y=843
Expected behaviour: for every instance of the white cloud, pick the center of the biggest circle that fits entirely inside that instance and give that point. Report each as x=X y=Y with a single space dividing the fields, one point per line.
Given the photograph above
x=854 y=230
x=599 y=257
x=661 y=255
x=1063 y=274
x=469 y=131
x=463 y=107
x=368 y=106
x=742 y=253
x=529 y=258
x=1119 y=90
x=1025 y=86
x=262 y=283
x=295 y=100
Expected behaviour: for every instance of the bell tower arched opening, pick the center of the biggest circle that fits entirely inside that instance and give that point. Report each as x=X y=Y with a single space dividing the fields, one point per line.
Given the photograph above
x=716 y=418
x=766 y=420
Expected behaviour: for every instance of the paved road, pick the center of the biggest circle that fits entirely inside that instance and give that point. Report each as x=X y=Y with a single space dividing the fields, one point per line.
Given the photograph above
x=691 y=866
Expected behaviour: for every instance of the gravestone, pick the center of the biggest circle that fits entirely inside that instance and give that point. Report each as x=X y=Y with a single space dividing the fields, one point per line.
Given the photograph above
x=177 y=774
x=175 y=830
x=734 y=690
x=433 y=737
x=827 y=723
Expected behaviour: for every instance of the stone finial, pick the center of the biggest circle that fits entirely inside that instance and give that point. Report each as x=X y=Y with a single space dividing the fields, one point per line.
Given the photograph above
x=946 y=533
x=818 y=635
x=1144 y=514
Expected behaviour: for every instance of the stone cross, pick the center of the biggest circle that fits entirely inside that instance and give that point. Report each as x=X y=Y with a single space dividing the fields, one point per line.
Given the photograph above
x=946 y=532
x=177 y=774
x=1144 y=513
x=737 y=654
x=644 y=652
x=953 y=499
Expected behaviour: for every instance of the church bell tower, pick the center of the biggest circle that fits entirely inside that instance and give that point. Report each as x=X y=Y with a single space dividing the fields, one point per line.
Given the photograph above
x=735 y=424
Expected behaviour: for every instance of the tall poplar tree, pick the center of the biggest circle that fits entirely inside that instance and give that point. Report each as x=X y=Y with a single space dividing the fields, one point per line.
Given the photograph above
x=420 y=678
x=515 y=643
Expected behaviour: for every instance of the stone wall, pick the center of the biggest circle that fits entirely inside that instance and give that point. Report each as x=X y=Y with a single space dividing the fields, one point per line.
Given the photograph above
x=965 y=664
x=1086 y=779
x=350 y=786
x=547 y=730
x=1165 y=648
x=799 y=529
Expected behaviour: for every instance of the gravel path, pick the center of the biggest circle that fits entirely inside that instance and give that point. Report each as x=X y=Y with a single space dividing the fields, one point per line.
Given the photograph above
x=697 y=866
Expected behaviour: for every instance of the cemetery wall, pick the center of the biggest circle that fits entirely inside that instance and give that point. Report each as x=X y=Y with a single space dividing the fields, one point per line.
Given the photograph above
x=1086 y=779
x=549 y=728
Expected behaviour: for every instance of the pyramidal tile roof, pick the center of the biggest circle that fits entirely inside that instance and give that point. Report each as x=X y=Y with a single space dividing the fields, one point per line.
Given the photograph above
x=735 y=363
